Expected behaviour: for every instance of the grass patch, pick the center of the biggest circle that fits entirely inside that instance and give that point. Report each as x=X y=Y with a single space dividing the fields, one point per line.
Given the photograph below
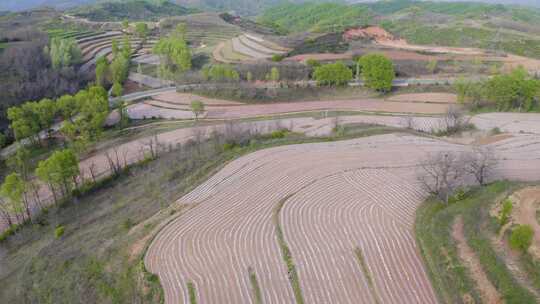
x=449 y=276
x=367 y=274
x=286 y=254
x=257 y=294
x=192 y=293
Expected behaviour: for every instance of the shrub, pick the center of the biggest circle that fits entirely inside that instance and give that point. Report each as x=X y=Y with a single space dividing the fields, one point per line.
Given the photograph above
x=505 y=212
x=228 y=146
x=127 y=224
x=59 y=232
x=377 y=72
x=313 y=63
x=521 y=237
x=117 y=89
x=278 y=134
x=277 y=58
x=333 y=74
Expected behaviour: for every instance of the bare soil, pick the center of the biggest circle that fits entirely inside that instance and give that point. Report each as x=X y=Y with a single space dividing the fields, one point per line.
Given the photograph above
x=445 y=98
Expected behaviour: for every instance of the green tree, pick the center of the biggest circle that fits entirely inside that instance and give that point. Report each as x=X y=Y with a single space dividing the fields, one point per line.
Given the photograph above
x=19 y=162
x=521 y=237
x=127 y=51
x=220 y=72
x=115 y=47
x=432 y=65
x=92 y=109
x=117 y=89
x=516 y=90
x=67 y=106
x=377 y=72
x=119 y=69
x=46 y=112
x=197 y=107
x=14 y=189
x=174 y=53
x=124 y=117
x=469 y=92
x=333 y=74
x=64 y=52
x=313 y=63
x=274 y=74
x=60 y=170
x=24 y=121
x=125 y=24
x=141 y=29
x=102 y=70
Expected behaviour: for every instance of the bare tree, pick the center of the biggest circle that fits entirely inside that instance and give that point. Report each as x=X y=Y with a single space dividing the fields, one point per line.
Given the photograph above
x=408 y=122
x=441 y=174
x=453 y=120
x=114 y=161
x=4 y=212
x=480 y=163
x=198 y=135
x=92 y=169
x=152 y=146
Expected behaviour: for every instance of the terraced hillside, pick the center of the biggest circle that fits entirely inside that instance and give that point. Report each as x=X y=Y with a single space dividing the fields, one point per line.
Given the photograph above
x=247 y=47
x=96 y=44
x=339 y=231
x=204 y=30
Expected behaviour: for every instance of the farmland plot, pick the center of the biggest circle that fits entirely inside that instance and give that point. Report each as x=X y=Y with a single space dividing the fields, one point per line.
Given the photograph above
x=347 y=214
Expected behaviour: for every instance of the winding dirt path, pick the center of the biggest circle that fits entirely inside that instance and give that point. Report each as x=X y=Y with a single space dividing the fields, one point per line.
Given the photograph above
x=526 y=204
x=467 y=255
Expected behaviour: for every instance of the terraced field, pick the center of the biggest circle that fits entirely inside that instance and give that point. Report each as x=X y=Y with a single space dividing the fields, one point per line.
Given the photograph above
x=205 y=30
x=343 y=210
x=248 y=47
x=220 y=110
x=97 y=44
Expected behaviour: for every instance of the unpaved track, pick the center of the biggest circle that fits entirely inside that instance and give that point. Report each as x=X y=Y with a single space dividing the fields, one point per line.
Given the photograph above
x=244 y=111
x=341 y=195
x=488 y=292
x=527 y=203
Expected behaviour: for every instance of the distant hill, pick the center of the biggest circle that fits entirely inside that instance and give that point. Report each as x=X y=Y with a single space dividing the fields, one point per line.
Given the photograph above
x=511 y=29
x=131 y=9
x=20 y=5
x=245 y=7
x=533 y=3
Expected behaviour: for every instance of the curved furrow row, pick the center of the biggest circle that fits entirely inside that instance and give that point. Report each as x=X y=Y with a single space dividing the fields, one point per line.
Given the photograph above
x=328 y=220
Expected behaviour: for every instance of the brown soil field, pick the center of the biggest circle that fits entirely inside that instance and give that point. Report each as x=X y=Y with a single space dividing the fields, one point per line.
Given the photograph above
x=445 y=98
x=170 y=106
x=336 y=197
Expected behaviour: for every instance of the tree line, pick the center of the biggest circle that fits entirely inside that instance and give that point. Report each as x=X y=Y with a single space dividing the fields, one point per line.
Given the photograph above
x=84 y=115
x=516 y=90
x=38 y=68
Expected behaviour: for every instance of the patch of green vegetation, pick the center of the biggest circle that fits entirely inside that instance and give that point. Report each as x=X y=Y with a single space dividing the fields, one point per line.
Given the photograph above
x=286 y=254
x=192 y=293
x=449 y=276
x=255 y=286
x=132 y=10
x=315 y=17
x=367 y=273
